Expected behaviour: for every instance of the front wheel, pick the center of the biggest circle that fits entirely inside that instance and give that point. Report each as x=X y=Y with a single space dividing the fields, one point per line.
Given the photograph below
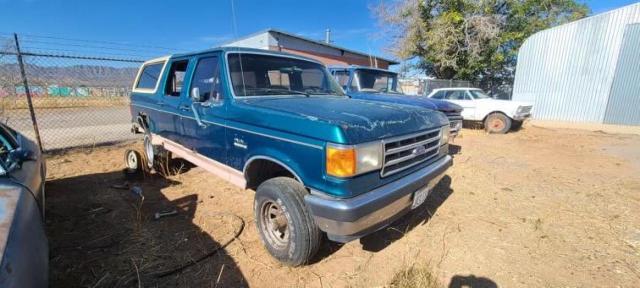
x=497 y=123
x=286 y=226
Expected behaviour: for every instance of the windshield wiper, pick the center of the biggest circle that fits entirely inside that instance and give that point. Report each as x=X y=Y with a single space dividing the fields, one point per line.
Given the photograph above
x=282 y=91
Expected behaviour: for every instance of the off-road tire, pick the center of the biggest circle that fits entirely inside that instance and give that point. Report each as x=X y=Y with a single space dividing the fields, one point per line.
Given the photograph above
x=497 y=123
x=303 y=238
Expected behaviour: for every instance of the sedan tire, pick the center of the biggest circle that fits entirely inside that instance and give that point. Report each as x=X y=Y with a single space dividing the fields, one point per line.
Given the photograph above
x=497 y=123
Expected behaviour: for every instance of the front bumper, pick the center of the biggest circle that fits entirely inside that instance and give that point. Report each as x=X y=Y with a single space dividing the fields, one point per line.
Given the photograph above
x=521 y=117
x=348 y=219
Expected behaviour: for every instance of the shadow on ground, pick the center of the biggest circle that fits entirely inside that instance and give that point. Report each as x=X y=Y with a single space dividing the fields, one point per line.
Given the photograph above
x=454 y=149
x=102 y=234
x=471 y=281
x=378 y=241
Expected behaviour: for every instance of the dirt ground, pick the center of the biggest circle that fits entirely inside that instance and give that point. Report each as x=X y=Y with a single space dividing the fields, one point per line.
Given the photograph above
x=535 y=208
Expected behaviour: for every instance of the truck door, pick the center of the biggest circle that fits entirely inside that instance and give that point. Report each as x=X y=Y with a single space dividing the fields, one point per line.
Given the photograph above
x=172 y=98
x=207 y=137
x=462 y=98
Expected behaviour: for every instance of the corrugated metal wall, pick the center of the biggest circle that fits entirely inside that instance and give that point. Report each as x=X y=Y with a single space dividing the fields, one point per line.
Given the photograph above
x=568 y=71
x=624 y=100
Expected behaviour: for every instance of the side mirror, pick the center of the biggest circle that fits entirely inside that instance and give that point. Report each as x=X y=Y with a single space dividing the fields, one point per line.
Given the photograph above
x=195 y=95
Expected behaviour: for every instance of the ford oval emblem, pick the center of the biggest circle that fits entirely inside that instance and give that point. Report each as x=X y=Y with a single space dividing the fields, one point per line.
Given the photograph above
x=419 y=150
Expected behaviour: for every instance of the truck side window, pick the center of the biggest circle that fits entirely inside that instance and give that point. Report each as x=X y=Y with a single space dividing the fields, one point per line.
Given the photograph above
x=149 y=76
x=7 y=144
x=342 y=77
x=176 y=78
x=206 y=78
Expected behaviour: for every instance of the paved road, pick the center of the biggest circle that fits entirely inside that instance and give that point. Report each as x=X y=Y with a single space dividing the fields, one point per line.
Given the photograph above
x=72 y=127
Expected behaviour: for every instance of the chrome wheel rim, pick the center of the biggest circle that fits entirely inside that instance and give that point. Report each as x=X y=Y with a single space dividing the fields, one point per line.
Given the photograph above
x=496 y=124
x=148 y=150
x=275 y=224
x=132 y=160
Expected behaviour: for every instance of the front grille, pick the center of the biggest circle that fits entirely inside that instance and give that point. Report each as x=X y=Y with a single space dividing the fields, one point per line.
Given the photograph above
x=455 y=125
x=453 y=114
x=455 y=120
x=403 y=152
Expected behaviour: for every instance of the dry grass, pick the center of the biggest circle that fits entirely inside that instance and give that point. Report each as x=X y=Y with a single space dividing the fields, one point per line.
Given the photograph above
x=40 y=102
x=536 y=208
x=416 y=276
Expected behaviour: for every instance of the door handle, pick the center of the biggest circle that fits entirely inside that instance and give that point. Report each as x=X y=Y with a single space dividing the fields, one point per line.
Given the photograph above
x=160 y=103
x=185 y=108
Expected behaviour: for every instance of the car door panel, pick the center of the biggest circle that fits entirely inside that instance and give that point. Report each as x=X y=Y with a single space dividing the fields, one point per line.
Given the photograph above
x=172 y=97
x=208 y=136
x=461 y=98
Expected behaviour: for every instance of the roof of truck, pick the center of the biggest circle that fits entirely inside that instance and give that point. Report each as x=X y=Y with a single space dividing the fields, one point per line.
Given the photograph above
x=234 y=49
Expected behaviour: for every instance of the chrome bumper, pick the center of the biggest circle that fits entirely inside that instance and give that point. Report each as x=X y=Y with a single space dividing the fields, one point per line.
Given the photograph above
x=348 y=219
x=520 y=117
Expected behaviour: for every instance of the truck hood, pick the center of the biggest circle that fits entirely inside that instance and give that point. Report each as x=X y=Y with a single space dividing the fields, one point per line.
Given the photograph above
x=339 y=119
x=442 y=106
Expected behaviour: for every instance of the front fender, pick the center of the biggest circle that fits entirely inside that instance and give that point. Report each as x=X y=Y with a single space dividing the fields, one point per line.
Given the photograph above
x=302 y=168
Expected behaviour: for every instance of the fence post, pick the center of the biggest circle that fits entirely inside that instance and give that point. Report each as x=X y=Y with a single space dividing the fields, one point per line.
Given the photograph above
x=25 y=83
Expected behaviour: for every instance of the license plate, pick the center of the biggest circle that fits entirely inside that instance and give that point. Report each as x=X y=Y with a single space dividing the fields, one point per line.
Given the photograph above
x=419 y=197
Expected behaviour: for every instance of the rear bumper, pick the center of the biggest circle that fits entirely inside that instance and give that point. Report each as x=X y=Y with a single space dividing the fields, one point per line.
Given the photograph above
x=348 y=219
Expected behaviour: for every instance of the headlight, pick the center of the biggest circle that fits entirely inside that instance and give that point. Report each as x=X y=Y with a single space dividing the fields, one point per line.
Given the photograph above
x=444 y=134
x=351 y=160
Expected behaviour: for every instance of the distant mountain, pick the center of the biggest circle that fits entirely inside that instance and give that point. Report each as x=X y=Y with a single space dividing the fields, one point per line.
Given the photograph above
x=72 y=76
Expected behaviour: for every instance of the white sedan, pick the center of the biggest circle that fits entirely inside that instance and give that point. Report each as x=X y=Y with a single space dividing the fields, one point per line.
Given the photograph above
x=498 y=116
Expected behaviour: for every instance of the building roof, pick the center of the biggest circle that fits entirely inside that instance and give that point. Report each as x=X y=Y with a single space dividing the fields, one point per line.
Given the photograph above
x=244 y=50
x=275 y=31
x=360 y=67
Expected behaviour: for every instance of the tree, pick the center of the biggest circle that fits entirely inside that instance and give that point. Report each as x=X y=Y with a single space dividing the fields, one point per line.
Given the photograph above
x=475 y=40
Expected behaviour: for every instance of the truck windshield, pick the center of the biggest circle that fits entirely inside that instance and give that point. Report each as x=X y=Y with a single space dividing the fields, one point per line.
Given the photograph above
x=377 y=81
x=267 y=75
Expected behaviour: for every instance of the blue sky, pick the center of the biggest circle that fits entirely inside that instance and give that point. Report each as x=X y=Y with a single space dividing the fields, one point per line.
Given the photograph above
x=202 y=24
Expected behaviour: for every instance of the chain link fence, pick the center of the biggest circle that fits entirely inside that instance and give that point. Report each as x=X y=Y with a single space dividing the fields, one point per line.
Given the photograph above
x=79 y=89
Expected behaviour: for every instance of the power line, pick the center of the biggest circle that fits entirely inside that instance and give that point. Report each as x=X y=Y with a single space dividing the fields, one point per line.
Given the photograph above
x=96 y=41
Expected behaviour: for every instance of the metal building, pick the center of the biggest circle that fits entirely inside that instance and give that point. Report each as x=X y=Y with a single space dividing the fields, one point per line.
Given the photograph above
x=584 y=71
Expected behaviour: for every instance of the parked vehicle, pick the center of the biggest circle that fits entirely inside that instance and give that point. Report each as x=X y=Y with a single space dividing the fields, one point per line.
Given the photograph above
x=278 y=123
x=23 y=242
x=498 y=116
x=367 y=83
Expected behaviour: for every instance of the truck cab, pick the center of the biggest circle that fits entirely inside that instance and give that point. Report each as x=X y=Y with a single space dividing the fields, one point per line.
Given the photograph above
x=277 y=123
x=373 y=84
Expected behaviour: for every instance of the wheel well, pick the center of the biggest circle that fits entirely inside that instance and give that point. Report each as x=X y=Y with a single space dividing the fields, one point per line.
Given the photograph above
x=143 y=121
x=260 y=170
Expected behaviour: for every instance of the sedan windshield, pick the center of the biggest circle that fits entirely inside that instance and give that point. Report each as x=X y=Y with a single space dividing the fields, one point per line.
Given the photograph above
x=377 y=81
x=267 y=75
x=478 y=94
